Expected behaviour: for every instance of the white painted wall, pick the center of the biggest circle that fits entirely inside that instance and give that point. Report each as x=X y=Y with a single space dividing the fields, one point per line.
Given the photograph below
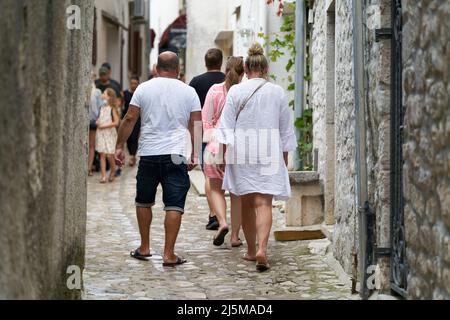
x=108 y=41
x=162 y=14
x=206 y=18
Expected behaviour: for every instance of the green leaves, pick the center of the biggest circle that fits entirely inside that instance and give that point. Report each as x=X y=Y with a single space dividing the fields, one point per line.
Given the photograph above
x=305 y=144
x=275 y=54
x=289 y=66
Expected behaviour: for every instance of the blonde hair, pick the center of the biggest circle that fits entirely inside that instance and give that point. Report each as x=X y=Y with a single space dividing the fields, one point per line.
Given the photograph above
x=234 y=69
x=112 y=94
x=256 y=61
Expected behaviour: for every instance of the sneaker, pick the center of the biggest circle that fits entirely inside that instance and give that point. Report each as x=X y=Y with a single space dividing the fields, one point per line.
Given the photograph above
x=213 y=224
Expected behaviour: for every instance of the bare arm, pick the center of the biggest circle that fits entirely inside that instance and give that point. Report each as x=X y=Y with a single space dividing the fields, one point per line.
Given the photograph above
x=125 y=131
x=115 y=123
x=196 y=119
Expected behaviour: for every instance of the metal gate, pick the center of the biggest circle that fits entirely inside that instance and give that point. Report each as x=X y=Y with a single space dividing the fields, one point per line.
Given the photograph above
x=399 y=268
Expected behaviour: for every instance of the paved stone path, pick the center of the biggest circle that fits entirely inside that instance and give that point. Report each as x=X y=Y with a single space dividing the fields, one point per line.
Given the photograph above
x=212 y=273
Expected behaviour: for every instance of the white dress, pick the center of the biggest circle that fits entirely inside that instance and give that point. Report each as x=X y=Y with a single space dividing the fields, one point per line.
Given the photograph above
x=106 y=139
x=257 y=140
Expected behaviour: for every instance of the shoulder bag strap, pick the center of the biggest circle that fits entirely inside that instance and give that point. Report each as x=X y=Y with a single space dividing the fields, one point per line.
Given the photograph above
x=244 y=104
x=221 y=107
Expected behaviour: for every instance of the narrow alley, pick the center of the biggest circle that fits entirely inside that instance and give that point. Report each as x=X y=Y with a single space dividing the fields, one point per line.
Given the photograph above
x=211 y=273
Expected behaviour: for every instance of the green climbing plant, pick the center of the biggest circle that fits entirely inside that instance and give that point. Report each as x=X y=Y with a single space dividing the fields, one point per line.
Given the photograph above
x=282 y=44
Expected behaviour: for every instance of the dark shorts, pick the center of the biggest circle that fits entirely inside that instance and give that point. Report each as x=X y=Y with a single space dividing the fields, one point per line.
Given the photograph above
x=174 y=179
x=202 y=156
x=93 y=126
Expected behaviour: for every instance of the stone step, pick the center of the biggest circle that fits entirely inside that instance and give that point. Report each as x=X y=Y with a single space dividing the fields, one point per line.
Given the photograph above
x=299 y=233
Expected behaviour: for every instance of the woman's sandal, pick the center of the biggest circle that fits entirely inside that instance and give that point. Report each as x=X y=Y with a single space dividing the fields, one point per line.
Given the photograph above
x=262 y=265
x=246 y=258
x=137 y=255
x=103 y=181
x=237 y=244
x=220 y=239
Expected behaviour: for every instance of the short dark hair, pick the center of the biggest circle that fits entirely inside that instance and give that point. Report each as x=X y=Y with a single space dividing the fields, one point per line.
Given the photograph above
x=214 y=59
x=168 y=65
x=107 y=65
x=135 y=77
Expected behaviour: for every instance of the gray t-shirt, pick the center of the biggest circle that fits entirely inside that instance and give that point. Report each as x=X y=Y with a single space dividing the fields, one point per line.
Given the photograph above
x=166 y=105
x=96 y=104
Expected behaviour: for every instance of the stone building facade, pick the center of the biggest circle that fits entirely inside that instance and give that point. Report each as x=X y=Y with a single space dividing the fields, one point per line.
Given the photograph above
x=122 y=38
x=233 y=26
x=425 y=91
x=427 y=147
x=44 y=68
x=332 y=99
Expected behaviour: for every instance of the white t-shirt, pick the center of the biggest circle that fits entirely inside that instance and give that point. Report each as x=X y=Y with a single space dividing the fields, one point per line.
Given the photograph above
x=166 y=105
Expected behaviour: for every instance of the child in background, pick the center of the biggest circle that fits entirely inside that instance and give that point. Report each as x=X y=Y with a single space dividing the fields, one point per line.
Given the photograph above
x=106 y=138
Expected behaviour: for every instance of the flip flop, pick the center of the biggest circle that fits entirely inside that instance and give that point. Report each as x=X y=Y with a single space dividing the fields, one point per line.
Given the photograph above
x=180 y=261
x=220 y=239
x=262 y=266
x=237 y=245
x=137 y=255
x=246 y=258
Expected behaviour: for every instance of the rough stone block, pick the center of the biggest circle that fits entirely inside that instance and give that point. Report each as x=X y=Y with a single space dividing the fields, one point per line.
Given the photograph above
x=305 y=208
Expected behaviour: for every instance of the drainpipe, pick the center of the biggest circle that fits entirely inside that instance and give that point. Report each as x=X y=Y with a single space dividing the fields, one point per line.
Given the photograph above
x=363 y=208
x=300 y=17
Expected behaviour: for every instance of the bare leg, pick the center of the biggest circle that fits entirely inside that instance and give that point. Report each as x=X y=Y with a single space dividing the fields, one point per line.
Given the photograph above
x=144 y=217
x=92 y=134
x=172 y=226
x=236 y=219
x=208 y=197
x=112 y=165
x=219 y=205
x=249 y=225
x=103 y=165
x=263 y=204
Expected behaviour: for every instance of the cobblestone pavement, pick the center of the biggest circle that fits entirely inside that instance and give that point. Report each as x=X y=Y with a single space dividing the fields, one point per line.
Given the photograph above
x=212 y=273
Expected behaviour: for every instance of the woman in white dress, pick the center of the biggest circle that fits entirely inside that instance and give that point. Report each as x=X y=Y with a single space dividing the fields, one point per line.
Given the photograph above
x=257 y=130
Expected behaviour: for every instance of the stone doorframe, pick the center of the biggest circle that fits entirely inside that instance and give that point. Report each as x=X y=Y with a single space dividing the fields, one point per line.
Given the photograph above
x=330 y=166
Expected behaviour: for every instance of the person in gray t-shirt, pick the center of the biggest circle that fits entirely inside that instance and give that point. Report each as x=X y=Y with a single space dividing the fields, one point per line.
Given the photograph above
x=96 y=103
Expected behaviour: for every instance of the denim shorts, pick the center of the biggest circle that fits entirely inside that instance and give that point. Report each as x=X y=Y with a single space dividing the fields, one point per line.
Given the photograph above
x=173 y=177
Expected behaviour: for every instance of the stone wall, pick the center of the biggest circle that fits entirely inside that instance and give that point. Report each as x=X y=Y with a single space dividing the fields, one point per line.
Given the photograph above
x=340 y=160
x=378 y=72
x=346 y=228
x=427 y=149
x=318 y=80
x=44 y=71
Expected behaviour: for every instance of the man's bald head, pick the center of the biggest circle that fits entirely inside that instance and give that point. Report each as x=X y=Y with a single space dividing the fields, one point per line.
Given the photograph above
x=168 y=62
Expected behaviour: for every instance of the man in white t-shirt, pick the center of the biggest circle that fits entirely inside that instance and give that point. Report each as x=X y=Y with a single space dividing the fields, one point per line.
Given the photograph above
x=168 y=109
